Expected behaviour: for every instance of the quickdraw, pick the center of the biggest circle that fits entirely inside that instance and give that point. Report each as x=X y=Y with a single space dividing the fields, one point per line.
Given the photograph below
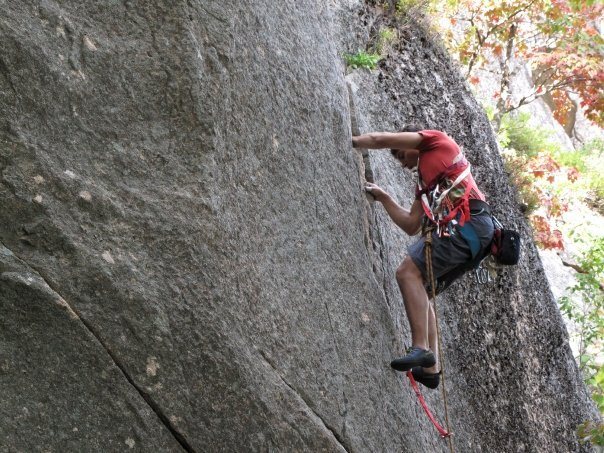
x=482 y=275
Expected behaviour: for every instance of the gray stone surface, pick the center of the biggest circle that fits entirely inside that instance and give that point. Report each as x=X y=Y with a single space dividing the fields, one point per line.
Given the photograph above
x=207 y=275
x=512 y=381
x=61 y=391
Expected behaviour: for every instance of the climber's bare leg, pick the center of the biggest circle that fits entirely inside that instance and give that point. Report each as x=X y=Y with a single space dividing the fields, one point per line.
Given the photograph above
x=432 y=338
x=411 y=284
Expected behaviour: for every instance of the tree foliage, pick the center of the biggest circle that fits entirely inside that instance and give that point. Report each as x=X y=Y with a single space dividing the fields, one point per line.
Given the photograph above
x=558 y=38
x=589 y=318
x=528 y=154
x=548 y=180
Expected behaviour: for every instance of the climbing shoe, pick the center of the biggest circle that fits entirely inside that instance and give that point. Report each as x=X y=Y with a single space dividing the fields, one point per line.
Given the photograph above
x=415 y=357
x=430 y=380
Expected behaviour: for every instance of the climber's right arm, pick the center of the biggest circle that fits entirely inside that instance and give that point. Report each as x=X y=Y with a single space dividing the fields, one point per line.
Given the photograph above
x=409 y=220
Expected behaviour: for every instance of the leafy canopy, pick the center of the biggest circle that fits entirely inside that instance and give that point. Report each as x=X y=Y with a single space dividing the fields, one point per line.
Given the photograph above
x=559 y=39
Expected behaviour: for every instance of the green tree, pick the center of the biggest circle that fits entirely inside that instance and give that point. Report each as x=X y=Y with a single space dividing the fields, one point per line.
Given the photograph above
x=558 y=38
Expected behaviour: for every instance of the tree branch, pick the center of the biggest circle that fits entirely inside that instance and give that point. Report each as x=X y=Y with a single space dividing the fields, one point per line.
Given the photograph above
x=579 y=270
x=507 y=19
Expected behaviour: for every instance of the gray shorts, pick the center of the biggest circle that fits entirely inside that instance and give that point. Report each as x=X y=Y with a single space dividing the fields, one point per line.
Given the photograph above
x=451 y=256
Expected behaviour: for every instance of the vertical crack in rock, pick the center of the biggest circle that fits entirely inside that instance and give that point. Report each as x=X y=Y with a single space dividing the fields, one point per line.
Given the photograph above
x=338 y=438
x=363 y=166
x=146 y=397
x=371 y=238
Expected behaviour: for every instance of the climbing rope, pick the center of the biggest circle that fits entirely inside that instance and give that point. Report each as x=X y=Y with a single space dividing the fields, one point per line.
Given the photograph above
x=428 y=251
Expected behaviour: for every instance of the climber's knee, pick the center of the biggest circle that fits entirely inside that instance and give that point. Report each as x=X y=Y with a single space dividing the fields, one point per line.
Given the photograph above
x=408 y=271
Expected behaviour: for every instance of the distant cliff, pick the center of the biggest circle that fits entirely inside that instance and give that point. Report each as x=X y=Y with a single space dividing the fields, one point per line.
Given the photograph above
x=188 y=260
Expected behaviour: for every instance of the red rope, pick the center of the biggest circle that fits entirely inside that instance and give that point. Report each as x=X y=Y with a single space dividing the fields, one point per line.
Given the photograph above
x=442 y=431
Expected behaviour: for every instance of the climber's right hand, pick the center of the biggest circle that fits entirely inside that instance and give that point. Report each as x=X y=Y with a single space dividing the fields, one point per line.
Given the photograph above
x=376 y=191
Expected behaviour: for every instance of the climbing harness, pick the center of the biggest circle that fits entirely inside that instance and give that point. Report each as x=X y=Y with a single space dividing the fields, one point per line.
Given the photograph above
x=434 y=209
x=434 y=201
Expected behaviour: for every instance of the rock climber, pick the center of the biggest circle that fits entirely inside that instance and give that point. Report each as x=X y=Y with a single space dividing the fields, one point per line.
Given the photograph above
x=449 y=204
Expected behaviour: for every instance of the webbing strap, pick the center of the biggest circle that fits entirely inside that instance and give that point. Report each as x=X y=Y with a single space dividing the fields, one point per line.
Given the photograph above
x=429 y=270
x=459 y=179
x=432 y=210
x=442 y=431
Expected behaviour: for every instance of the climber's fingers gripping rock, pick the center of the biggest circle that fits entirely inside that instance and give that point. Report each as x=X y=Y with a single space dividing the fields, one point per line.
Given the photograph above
x=376 y=191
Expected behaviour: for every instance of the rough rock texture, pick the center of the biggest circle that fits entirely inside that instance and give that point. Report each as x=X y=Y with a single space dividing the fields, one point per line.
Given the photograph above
x=187 y=259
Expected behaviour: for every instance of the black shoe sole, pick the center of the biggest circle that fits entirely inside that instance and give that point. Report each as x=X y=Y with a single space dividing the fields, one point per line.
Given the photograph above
x=430 y=380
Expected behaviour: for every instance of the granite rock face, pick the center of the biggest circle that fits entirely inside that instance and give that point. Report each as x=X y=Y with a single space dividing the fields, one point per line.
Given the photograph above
x=188 y=261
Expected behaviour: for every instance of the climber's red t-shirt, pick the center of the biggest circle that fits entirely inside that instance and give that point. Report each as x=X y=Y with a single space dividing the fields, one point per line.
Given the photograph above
x=438 y=153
